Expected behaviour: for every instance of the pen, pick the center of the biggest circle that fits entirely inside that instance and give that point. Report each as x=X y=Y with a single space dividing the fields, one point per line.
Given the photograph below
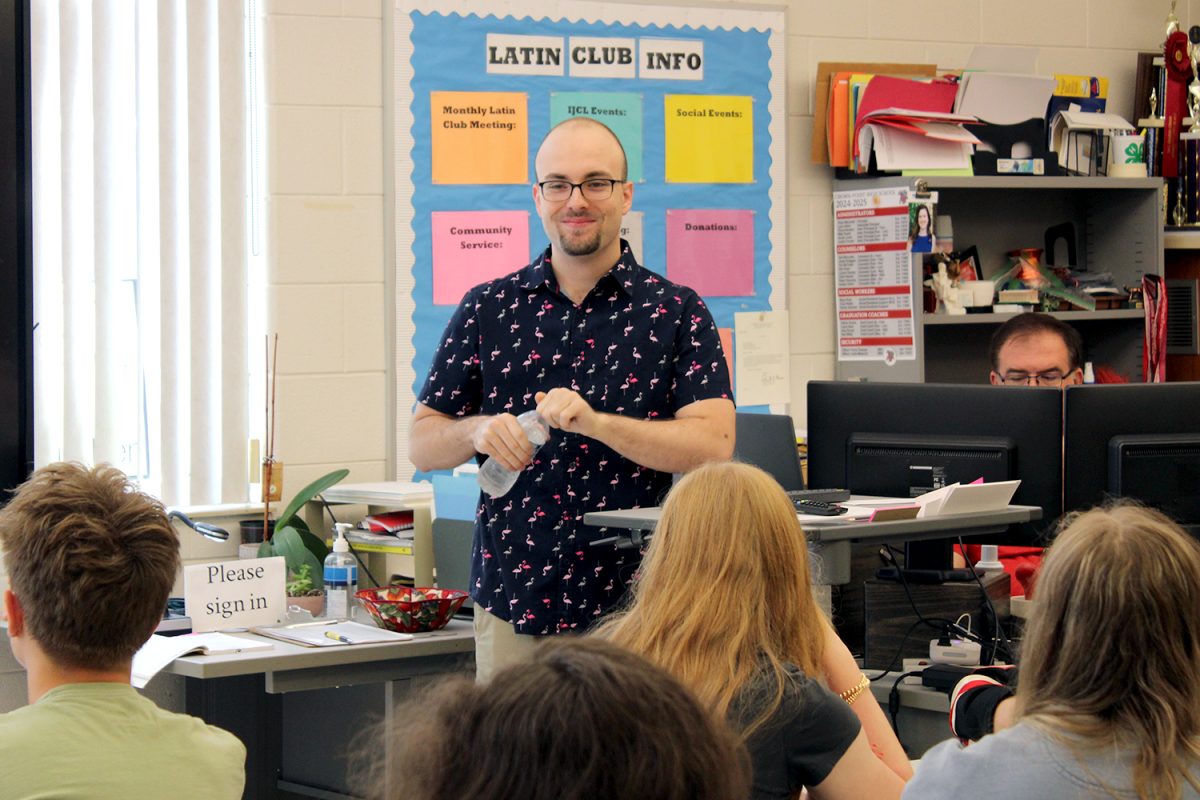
x=313 y=624
x=337 y=637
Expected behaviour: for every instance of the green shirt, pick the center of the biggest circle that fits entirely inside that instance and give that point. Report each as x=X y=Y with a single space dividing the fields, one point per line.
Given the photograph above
x=104 y=740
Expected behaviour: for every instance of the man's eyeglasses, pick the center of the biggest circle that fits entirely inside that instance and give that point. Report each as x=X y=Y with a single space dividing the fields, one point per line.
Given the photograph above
x=591 y=189
x=1052 y=377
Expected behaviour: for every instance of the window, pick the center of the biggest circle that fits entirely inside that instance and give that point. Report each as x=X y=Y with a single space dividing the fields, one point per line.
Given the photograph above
x=140 y=251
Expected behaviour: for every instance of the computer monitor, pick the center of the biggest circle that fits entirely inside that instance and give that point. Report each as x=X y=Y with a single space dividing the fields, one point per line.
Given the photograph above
x=768 y=441
x=1137 y=440
x=903 y=439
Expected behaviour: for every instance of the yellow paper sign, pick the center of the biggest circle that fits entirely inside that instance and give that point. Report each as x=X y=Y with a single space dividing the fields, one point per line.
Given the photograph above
x=709 y=138
x=479 y=137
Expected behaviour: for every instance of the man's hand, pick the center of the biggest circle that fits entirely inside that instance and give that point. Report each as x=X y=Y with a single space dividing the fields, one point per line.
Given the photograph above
x=501 y=437
x=568 y=411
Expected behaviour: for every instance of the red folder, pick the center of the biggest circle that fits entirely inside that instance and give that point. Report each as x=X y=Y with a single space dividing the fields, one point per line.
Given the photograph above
x=886 y=92
x=900 y=93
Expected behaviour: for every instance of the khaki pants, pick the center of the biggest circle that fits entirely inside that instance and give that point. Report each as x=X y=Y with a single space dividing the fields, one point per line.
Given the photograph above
x=497 y=645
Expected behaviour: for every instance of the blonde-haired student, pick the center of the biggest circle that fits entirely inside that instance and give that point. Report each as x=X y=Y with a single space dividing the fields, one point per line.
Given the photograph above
x=1108 y=704
x=724 y=603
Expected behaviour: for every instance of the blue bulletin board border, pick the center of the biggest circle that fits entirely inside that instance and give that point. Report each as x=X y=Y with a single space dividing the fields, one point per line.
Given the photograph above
x=441 y=47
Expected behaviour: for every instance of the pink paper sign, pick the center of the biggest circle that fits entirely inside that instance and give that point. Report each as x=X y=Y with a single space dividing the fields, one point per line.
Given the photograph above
x=711 y=250
x=470 y=247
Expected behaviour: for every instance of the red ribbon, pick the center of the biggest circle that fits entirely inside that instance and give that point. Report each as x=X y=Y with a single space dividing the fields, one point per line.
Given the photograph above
x=1179 y=69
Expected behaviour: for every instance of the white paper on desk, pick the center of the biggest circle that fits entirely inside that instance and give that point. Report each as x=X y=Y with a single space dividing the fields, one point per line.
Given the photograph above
x=964 y=498
x=325 y=635
x=971 y=497
x=931 y=502
x=158 y=651
x=762 y=361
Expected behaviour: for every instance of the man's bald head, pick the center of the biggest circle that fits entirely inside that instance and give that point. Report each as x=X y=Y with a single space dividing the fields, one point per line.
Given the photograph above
x=565 y=127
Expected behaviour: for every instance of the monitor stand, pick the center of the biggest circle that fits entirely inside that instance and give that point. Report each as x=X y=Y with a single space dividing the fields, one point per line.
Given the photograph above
x=927 y=562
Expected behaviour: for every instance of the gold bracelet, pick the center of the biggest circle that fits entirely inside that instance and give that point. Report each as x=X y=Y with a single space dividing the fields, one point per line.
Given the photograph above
x=851 y=694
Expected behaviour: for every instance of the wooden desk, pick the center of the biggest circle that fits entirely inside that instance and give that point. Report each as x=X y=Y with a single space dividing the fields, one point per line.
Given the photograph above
x=298 y=709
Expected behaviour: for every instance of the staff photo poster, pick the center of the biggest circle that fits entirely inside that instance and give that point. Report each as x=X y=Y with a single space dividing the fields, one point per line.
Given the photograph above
x=695 y=94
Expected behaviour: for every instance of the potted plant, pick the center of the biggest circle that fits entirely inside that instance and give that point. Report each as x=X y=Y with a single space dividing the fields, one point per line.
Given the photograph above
x=302 y=592
x=303 y=550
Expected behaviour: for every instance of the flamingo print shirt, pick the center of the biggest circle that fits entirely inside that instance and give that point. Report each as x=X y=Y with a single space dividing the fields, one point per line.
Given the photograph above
x=637 y=345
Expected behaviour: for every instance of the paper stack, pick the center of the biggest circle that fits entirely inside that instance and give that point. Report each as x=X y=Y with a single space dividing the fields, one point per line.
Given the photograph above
x=965 y=498
x=914 y=140
x=910 y=126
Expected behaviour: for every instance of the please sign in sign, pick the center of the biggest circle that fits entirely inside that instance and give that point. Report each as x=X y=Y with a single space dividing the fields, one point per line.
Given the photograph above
x=234 y=594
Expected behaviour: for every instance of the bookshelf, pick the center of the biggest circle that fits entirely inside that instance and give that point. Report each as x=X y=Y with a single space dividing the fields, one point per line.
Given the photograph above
x=1118 y=227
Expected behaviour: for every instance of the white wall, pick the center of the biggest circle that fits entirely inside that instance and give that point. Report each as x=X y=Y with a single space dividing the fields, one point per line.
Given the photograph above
x=326 y=205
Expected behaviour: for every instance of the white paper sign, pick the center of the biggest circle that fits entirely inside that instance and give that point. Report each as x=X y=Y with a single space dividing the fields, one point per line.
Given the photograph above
x=672 y=59
x=512 y=54
x=873 y=270
x=761 y=357
x=596 y=57
x=234 y=594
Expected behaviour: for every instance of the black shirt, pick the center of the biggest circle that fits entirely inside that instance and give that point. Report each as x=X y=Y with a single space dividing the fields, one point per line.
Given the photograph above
x=637 y=345
x=802 y=741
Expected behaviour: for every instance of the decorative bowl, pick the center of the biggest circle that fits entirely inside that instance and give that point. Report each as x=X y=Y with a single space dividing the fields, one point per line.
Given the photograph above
x=410 y=610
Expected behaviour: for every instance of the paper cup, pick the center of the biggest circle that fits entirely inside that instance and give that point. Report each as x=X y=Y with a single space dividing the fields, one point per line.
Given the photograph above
x=1126 y=156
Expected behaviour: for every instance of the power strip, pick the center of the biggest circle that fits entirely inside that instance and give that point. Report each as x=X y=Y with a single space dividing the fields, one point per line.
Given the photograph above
x=959 y=651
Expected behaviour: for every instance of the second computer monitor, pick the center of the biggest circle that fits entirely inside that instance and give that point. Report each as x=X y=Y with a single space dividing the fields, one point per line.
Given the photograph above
x=901 y=439
x=1138 y=440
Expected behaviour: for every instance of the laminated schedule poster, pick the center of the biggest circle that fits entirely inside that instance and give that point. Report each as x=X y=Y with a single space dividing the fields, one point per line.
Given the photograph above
x=873 y=271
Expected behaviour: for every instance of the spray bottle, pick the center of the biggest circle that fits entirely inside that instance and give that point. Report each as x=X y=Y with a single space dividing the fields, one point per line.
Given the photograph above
x=341 y=576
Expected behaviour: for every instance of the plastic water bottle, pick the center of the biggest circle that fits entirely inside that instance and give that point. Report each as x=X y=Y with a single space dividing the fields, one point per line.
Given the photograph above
x=496 y=479
x=341 y=576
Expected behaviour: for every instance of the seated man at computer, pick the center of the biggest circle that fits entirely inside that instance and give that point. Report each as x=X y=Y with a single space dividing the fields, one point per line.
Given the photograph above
x=1032 y=350
x=91 y=561
x=1036 y=350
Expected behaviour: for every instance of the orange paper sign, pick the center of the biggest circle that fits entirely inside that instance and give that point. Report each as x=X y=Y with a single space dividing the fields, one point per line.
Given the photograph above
x=479 y=137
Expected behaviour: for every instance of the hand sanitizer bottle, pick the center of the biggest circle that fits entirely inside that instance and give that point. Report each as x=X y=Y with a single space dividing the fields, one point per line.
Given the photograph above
x=341 y=576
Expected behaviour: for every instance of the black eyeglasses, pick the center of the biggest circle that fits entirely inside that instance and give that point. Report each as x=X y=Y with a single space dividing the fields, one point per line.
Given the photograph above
x=591 y=189
x=1051 y=377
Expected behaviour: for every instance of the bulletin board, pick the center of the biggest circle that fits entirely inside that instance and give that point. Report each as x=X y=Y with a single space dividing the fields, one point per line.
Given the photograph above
x=696 y=96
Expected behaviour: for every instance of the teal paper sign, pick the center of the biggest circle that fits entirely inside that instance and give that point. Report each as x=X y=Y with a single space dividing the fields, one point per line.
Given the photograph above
x=621 y=111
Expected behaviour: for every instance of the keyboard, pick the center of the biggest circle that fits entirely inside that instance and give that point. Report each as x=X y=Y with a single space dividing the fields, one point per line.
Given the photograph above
x=820 y=495
x=818 y=508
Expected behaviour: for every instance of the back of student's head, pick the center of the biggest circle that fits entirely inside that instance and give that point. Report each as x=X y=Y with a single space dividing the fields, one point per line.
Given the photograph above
x=725 y=586
x=583 y=719
x=91 y=561
x=1113 y=643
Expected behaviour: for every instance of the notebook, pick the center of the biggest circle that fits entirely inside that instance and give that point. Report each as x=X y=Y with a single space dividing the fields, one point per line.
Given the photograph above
x=158 y=651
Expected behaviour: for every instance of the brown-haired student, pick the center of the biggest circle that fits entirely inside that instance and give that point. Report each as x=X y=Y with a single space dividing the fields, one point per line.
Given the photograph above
x=91 y=561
